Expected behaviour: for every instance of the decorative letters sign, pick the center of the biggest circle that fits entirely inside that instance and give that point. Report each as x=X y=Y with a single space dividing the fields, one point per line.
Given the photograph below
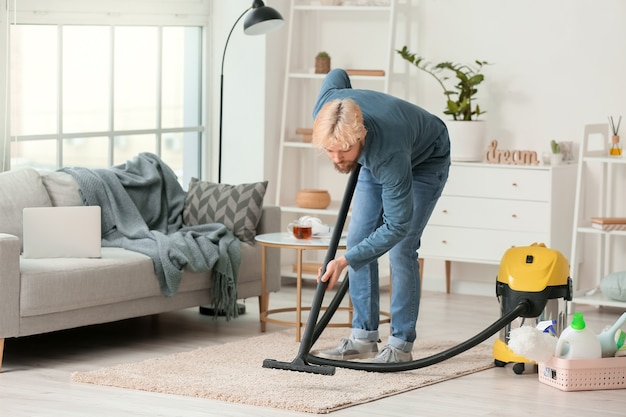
x=497 y=156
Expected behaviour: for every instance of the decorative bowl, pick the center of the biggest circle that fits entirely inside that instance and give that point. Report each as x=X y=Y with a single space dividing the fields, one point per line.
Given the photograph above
x=314 y=199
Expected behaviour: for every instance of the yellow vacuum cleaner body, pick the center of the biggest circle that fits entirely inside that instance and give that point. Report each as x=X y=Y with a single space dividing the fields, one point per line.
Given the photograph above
x=540 y=275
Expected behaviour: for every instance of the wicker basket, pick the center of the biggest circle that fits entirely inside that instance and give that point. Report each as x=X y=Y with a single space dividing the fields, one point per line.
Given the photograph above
x=314 y=199
x=584 y=374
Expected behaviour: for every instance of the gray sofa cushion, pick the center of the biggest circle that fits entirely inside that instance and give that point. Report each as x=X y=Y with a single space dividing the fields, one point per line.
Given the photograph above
x=56 y=285
x=19 y=189
x=238 y=207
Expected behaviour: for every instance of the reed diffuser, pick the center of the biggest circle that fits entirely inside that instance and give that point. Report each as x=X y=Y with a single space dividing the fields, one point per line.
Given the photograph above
x=616 y=147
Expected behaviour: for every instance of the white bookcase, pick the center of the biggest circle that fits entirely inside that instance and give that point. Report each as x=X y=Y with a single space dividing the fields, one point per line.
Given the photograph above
x=599 y=193
x=487 y=208
x=358 y=37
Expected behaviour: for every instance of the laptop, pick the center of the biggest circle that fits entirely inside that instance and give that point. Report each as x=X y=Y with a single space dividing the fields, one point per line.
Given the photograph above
x=62 y=232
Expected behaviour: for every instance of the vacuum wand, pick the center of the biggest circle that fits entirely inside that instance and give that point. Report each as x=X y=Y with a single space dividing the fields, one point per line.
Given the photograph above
x=300 y=363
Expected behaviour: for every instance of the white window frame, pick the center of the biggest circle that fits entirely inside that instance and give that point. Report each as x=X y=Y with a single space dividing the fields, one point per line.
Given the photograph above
x=113 y=13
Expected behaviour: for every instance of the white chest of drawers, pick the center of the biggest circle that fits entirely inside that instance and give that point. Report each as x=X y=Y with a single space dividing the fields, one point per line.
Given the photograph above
x=486 y=209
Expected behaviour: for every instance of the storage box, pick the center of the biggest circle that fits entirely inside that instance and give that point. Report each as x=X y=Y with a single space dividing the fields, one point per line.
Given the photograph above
x=608 y=223
x=584 y=374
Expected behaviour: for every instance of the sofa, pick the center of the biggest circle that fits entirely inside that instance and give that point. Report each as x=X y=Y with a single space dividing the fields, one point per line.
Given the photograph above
x=39 y=295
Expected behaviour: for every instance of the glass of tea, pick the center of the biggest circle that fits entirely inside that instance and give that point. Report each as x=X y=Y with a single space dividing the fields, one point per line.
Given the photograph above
x=301 y=229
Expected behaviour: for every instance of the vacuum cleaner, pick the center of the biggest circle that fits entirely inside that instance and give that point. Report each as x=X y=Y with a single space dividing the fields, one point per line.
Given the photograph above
x=539 y=273
x=519 y=301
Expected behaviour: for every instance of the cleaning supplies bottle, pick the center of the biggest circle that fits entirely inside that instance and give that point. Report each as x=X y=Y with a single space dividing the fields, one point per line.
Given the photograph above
x=577 y=341
x=620 y=341
x=608 y=339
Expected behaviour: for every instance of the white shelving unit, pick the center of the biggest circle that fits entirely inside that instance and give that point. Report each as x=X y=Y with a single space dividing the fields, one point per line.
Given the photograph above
x=593 y=250
x=359 y=37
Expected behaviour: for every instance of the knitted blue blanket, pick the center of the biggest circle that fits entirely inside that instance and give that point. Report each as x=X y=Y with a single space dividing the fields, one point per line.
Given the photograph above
x=142 y=204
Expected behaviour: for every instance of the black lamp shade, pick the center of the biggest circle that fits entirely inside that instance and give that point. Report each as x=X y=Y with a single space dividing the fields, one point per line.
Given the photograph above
x=262 y=19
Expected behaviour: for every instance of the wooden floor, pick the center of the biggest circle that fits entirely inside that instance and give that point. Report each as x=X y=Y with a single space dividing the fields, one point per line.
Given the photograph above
x=35 y=378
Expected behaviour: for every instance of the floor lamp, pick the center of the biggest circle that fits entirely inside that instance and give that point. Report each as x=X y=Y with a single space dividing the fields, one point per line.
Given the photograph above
x=259 y=21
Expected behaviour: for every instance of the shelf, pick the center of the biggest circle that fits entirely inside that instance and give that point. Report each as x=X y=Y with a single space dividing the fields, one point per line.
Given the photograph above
x=332 y=210
x=304 y=75
x=593 y=230
x=341 y=9
x=606 y=159
x=596 y=298
x=295 y=144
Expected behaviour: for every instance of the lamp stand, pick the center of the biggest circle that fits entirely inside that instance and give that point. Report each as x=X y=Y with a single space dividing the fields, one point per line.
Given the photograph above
x=219 y=148
x=261 y=20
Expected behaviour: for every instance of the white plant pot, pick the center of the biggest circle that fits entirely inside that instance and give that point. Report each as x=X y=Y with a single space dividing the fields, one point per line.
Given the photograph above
x=556 y=158
x=468 y=140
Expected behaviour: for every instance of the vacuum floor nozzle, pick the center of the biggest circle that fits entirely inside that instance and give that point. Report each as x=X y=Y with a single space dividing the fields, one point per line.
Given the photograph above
x=300 y=366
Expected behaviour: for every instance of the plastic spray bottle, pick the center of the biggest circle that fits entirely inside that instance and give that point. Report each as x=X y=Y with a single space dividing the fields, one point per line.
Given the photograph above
x=610 y=338
x=577 y=341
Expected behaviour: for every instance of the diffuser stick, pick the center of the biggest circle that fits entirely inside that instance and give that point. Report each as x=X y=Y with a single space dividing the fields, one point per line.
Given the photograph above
x=613 y=127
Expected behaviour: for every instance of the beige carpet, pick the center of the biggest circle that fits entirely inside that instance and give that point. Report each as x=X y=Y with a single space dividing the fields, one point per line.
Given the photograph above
x=233 y=372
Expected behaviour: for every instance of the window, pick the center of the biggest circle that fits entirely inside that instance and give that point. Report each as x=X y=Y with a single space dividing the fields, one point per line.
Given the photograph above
x=97 y=95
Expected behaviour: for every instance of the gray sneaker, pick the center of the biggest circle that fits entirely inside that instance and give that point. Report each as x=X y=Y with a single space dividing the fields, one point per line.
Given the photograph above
x=351 y=348
x=390 y=354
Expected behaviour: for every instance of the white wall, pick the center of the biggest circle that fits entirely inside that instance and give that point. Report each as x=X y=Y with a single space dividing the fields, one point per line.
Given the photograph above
x=245 y=112
x=557 y=65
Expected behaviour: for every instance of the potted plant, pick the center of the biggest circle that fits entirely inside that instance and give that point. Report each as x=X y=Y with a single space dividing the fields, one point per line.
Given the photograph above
x=556 y=156
x=322 y=63
x=467 y=140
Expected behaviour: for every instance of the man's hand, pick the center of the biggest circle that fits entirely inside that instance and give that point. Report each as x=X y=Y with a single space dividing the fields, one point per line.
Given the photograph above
x=333 y=271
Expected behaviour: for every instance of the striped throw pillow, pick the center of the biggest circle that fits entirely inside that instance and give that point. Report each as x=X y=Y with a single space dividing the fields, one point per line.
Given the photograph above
x=238 y=207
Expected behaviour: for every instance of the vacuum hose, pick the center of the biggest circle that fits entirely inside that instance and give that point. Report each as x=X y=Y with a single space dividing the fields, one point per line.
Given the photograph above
x=520 y=310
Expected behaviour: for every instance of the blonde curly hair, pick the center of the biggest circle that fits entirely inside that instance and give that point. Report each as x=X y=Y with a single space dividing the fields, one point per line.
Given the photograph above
x=338 y=123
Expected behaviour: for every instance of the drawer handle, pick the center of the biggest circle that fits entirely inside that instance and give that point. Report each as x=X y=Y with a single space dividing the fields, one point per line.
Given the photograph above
x=444 y=211
x=445 y=242
x=514 y=215
x=514 y=184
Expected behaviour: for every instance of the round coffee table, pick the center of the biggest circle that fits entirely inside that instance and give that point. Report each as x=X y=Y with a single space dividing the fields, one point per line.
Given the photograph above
x=287 y=241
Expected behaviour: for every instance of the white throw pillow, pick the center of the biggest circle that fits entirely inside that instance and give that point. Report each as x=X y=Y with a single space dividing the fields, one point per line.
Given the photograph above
x=62 y=189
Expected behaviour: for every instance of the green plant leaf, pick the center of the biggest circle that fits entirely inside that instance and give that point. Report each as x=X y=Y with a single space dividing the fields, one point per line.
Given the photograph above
x=459 y=103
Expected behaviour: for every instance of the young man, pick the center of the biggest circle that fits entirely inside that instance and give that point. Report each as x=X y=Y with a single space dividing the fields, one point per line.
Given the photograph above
x=404 y=153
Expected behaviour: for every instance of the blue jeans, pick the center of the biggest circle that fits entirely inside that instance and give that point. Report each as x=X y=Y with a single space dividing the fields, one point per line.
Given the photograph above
x=364 y=284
